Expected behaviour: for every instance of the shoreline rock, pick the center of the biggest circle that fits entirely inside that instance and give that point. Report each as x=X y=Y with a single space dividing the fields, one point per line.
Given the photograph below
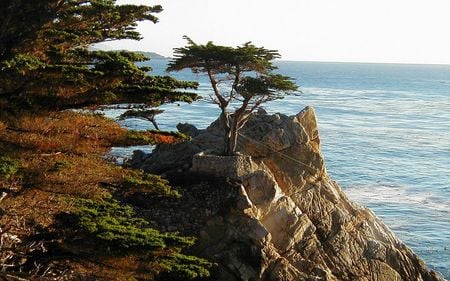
x=283 y=217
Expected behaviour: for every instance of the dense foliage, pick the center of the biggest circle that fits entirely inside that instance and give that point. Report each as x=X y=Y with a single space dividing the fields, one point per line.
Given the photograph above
x=46 y=60
x=242 y=74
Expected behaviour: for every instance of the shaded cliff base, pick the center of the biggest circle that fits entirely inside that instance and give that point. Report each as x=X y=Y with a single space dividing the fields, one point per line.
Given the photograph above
x=277 y=216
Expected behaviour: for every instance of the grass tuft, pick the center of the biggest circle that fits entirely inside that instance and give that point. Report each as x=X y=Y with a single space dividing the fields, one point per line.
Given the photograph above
x=149 y=184
x=8 y=167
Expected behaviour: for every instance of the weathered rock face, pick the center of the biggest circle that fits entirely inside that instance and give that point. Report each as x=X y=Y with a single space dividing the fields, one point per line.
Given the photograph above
x=289 y=220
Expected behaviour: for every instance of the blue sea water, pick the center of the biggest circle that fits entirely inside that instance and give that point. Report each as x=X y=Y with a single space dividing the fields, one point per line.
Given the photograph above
x=385 y=132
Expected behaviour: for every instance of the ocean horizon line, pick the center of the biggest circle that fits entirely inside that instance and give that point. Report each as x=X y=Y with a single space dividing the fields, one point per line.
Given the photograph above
x=164 y=57
x=365 y=62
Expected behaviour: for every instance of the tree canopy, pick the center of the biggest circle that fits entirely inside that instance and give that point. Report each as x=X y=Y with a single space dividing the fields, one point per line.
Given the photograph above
x=247 y=73
x=46 y=60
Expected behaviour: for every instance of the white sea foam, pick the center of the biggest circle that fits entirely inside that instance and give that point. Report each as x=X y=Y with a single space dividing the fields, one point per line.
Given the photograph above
x=352 y=91
x=397 y=195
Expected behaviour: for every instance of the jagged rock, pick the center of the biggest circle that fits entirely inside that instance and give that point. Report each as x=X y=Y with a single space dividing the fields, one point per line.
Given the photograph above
x=165 y=158
x=188 y=129
x=289 y=220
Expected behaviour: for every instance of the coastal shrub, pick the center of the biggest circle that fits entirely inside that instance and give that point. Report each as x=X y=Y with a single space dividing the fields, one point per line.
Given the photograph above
x=8 y=167
x=118 y=227
x=154 y=185
x=182 y=267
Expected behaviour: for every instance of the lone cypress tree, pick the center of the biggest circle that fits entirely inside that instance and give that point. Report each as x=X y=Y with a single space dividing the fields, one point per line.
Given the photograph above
x=247 y=73
x=46 y=62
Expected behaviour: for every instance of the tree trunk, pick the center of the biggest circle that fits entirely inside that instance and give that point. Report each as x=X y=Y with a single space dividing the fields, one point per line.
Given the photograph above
x=225 y=119
x=237 y=122
x=227 y=141
x=154 y=124
x=234 y=131
x=233 y=137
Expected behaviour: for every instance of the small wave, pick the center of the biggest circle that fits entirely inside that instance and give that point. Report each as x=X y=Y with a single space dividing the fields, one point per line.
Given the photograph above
x=399 y=195
x=352 y=91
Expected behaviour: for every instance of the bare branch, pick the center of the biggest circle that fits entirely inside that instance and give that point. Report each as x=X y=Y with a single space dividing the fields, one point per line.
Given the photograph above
x=223 y=102
x=237 y=78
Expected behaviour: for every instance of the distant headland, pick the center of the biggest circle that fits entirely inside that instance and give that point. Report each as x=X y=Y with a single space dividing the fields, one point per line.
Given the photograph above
x=153 y=55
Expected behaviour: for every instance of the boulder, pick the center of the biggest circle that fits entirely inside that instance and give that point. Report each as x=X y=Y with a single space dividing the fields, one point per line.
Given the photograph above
x=188 y=129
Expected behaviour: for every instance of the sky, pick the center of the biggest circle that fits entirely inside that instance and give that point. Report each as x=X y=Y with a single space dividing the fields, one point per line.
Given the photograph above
x=388 y=31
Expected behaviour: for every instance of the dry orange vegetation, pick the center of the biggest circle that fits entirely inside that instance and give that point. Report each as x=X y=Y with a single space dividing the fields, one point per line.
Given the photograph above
x=2 y=127
x=165 y=139
x=67 y=132
x=61 y=157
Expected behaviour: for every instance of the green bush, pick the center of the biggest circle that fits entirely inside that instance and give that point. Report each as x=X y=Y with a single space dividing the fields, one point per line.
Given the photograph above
x=8 y=167
x=182 y=267
x=140 y=182
x=117 y=225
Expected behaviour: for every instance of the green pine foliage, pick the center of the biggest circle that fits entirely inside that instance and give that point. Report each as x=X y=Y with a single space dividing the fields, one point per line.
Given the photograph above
x=49 y=65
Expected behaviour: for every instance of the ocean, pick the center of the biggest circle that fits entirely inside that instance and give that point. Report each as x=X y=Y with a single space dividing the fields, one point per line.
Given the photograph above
x=385 y=134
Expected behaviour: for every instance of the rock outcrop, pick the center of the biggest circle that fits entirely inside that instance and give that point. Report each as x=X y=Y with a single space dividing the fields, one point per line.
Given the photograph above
x=287 y=219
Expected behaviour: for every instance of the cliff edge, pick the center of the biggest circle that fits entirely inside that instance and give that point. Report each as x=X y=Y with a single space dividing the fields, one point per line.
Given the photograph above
x=276 y=215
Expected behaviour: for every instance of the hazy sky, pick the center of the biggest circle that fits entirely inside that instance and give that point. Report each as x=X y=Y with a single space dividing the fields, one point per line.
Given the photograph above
x=409 y=31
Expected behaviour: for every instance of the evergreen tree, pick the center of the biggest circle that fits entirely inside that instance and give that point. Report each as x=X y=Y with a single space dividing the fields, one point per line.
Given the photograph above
x=247 y=73
x=46 y=62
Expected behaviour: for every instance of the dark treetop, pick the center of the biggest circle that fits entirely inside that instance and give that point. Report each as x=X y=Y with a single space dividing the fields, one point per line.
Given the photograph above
x=45 y=60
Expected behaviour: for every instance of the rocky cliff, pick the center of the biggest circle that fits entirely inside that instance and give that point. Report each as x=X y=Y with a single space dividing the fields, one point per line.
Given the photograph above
x=276 y=215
